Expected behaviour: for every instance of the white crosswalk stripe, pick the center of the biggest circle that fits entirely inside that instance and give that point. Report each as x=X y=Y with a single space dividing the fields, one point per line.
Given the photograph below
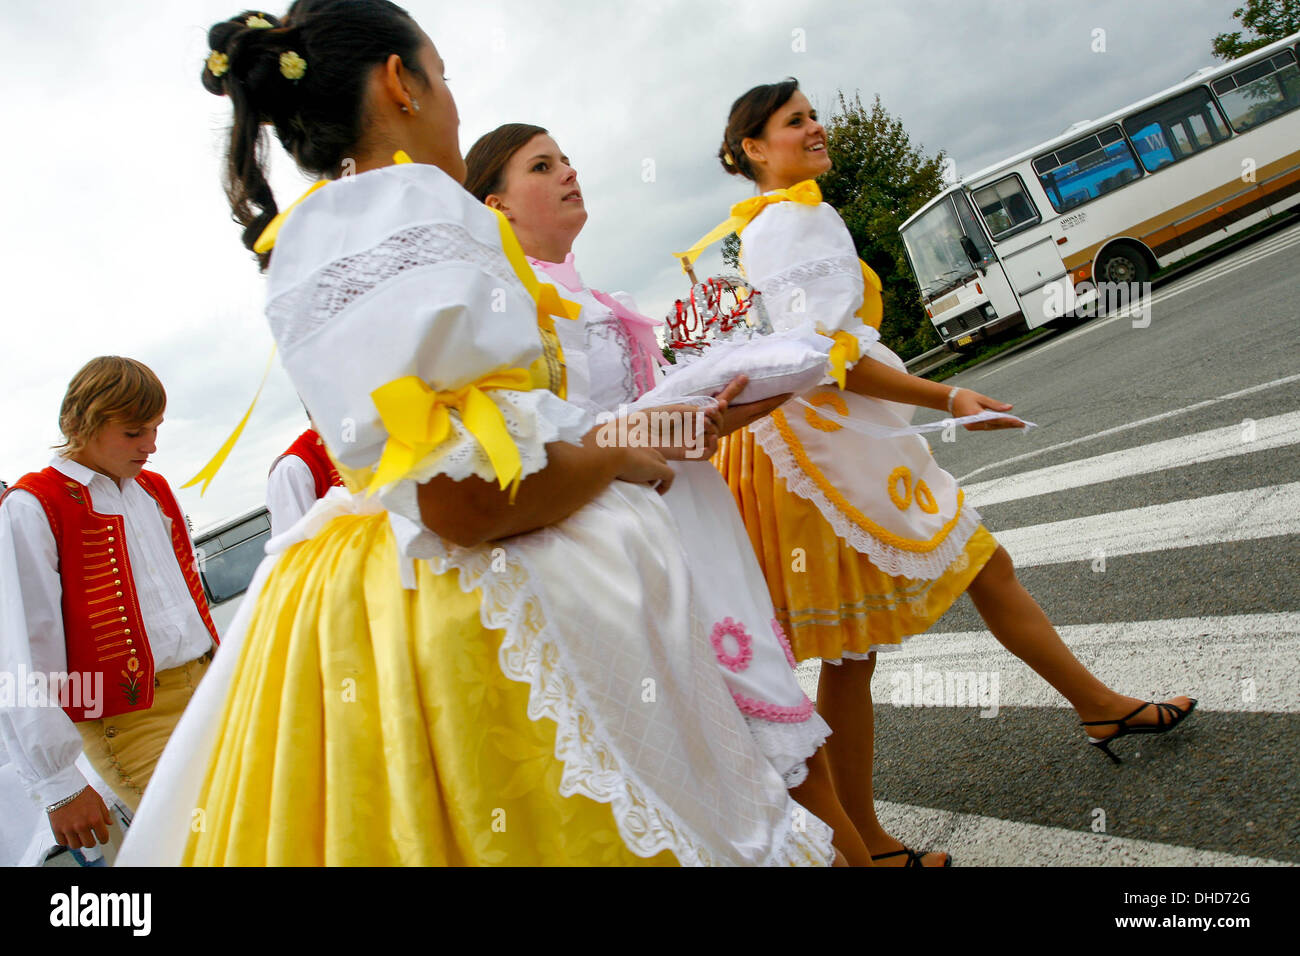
x=1241 y=663
x=1250 y=436
x=1193 y=522
x=975 y=840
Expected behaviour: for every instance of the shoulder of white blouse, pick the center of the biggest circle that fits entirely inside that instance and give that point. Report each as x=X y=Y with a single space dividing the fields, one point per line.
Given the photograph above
x=358 y=213
x=791 y=232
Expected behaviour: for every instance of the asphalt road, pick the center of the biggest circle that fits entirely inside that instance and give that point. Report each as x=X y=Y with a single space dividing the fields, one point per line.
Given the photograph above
x=1155 y=515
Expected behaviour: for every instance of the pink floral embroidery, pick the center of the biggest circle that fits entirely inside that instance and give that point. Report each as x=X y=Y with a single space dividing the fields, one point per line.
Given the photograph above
x=744 y=649
x=779 y=631
x=773 y=712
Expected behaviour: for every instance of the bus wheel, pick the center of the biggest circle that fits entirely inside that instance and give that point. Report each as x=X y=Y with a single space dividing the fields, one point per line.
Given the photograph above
x=1122 y=263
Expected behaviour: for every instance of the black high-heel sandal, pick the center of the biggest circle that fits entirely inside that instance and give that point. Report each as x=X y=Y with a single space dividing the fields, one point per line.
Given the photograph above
x=1175 y=714
x=913 y=858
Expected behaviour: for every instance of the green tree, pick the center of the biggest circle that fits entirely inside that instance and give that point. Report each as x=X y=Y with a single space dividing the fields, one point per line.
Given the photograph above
x=731 y=251
x=879 y=179
x=1268 y=20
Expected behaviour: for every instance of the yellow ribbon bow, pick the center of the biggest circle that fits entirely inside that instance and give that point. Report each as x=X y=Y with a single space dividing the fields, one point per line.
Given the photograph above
x=418 y=420
x=872 y=309
x=845 y=350
x=743 y=213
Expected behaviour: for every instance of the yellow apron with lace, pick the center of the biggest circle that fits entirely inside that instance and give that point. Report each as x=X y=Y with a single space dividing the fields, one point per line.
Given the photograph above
x=828 y=596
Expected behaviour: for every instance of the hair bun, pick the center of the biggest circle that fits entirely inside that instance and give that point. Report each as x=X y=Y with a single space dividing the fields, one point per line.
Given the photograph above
x=225 y=40
x=728 y=160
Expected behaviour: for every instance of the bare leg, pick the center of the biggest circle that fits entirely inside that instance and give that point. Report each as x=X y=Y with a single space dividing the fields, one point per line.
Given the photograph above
x=1021 y=627
x=817 y=795
x=844 y=700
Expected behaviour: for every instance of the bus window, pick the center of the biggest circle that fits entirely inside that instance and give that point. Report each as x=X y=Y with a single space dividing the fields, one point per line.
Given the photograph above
x=1176 y=128
x=1087 y=168
x=1260 y=91
x=1006 y=206
x=228 y=558
x=933 y=243
x=970 y=225
x=228 y=573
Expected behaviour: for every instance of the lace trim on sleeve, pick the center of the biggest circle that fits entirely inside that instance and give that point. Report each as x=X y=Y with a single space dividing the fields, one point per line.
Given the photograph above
x=308 y=306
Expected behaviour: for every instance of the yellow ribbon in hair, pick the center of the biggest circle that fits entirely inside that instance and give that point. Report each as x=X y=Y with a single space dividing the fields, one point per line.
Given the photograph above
x=845 y=350
x=743 y=213
x=209 y=471
x=418 y=420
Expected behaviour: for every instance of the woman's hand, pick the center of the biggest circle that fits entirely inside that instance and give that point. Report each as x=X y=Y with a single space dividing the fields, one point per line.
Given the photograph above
x=646 y=466
x=967 y=402
x=735 y=417
x=679 y=432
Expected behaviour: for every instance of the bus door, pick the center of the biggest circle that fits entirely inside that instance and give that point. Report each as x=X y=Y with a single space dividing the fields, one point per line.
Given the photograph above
x=1041 y=281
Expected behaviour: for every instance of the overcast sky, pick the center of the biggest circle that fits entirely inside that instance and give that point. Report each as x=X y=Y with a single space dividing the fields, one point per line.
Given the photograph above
x=118 y=240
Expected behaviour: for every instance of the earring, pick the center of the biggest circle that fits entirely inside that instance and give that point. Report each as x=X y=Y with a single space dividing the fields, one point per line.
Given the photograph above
x=403 y=108
x=415 y=104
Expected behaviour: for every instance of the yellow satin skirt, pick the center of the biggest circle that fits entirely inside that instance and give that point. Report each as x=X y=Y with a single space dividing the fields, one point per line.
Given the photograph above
x=370 y=725
x=829 y=597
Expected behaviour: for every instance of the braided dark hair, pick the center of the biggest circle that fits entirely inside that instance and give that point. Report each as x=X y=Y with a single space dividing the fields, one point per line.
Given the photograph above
x=749 y=114
x=318 y=117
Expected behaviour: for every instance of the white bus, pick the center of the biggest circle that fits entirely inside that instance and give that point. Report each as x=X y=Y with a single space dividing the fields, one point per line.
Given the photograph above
x=1111 y=200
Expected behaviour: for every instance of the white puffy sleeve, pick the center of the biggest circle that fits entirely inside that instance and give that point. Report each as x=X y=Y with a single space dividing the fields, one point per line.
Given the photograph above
x=399 y=273
x=41 y=740
x=803 y=261
x=290 y=493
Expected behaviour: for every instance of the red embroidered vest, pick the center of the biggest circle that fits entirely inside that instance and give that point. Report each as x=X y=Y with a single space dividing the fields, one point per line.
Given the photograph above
x=102 y=622
x=311 y=449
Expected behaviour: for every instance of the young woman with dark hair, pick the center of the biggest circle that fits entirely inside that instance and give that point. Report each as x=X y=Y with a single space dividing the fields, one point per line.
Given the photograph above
x=890 y=543
x=382 y=692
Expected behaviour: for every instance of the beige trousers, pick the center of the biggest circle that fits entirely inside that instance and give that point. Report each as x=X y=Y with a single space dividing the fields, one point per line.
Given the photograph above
x=124 y=749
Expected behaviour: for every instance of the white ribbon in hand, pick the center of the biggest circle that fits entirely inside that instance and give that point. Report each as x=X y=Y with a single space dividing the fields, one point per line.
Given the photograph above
x=885 y=431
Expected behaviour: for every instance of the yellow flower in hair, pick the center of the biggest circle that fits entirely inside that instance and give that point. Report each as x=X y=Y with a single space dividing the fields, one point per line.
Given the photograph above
x=218 y=63
x=257 y=22
x=292 y=66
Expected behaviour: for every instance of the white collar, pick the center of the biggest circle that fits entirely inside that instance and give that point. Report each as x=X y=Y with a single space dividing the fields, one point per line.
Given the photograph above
x=79 y=472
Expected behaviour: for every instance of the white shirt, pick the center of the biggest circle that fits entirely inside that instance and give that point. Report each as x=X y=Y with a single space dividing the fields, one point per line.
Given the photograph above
x=290 y=493
x=41 y=740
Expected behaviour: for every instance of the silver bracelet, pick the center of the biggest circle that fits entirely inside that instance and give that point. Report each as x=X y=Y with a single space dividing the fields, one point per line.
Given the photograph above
x=66 y=800
x=951 y=396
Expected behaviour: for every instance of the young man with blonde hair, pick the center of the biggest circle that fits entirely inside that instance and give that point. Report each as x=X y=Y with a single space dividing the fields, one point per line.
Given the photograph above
x=102 y=614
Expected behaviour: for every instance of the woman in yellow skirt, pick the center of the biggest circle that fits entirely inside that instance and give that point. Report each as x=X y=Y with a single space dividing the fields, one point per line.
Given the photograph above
x=484 y=650
x=864 y=540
